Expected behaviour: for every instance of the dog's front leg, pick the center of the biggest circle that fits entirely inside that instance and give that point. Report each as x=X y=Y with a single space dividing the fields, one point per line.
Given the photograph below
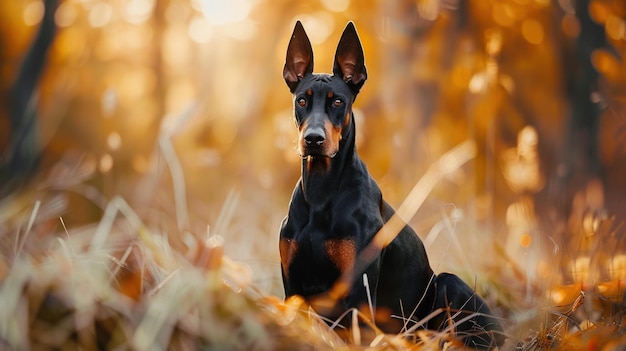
x=363 y=293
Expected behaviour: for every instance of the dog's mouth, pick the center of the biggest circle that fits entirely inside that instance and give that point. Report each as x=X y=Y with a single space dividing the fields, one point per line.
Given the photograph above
x=317 y=154
x=323 y=150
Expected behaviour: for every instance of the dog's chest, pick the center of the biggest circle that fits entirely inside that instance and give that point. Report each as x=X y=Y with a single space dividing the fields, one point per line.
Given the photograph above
x=313 y=258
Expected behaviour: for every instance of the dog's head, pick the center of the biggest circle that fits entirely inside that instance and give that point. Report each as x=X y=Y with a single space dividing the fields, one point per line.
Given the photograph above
x=323 y=102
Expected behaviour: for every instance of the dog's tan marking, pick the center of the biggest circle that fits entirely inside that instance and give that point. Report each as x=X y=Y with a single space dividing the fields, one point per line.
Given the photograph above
x=342 y=252
x=288 y=249
x=335 y=137
x=330 y=94
x=309 y=92
x=346 y=120
x=302 y=128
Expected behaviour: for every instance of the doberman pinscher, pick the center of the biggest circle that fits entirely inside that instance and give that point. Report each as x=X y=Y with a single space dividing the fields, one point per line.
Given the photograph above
x=337 y=208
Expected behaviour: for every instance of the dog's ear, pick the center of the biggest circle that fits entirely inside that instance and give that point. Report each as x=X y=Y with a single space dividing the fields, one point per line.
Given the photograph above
x=349 y=59
x=299 y=61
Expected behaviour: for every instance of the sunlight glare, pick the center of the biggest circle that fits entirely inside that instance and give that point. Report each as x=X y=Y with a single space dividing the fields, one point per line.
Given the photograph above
x=318 y=26
x=33 y=12
x=558 y=297
x=243 y=31
x=138 y=11
x=66 y=14
x=615 y=27
x=177 y=12
x=618 y=268
x=527 y=140
x=100 y=14
x=219 y=12
x=109 y=102
x=199 y=30
x=336 y=5
x=114 y=141
x=175 y=48
x=428 y=10
x=478 y=83
x=580 y=269
x=106 y=163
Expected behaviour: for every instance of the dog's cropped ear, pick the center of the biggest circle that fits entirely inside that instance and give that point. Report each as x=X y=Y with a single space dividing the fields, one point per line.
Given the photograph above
x=349 y=59
x=299 y=61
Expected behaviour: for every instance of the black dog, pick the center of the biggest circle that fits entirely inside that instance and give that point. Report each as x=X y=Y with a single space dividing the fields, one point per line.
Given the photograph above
x=337 y=208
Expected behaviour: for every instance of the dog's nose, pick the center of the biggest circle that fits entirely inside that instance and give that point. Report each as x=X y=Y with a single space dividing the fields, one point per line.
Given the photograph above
x=314 y=136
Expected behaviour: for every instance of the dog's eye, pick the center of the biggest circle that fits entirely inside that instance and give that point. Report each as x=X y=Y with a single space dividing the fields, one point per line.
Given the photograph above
x=301 y=102
x=337 y=103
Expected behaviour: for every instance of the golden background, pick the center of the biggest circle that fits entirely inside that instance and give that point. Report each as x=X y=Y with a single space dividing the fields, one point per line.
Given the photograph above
x=179 y=108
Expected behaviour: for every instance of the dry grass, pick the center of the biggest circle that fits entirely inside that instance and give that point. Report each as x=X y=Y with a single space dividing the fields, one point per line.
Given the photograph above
x=129 y=282
x=120 y=285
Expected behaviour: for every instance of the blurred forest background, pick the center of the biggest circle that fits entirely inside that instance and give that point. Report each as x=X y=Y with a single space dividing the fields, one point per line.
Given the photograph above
x=179 y=107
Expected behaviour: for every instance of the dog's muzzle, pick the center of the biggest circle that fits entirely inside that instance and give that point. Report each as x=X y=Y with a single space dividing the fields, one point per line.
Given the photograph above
x=318 y=138
x=314 y=137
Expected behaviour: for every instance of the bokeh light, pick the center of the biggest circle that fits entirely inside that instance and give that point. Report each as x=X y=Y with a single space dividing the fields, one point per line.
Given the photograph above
x=615 y=27
x=570 y=25
x=33 y=12
x=100 y=14
x=336 y=5
x=66 y=14
x=106 y=163
x=199 y=30
x=503 y=14
x=321 y=25
x=599 y=11
x=138 y=11
x=219 y=12
x=532 y=31
x=114 y=141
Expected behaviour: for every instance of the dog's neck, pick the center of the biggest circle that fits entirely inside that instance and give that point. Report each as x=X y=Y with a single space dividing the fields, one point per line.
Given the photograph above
x=322 y=176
